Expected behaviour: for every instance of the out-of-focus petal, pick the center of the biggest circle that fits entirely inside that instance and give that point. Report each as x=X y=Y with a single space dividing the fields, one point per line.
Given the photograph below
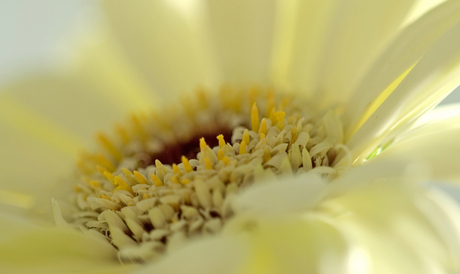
x=434 y=76
x=400 y=228
x=26 y=248
x=243 y=33
x=169 y=47
x=395 y=63
x=329 y=55
x=220 y=254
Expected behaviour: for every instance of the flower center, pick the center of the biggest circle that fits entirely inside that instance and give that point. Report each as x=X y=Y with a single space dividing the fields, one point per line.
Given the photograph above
x=170 y=176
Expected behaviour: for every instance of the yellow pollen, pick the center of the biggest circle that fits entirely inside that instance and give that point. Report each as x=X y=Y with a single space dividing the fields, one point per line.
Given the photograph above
x=246 y=136
x=280 y=119
x=127 y=172
x=263 y=126
x=207 y=163
x=255 y=118
x=104 y=197
x=185 y=181
x=294 y=135
x=226 y=160
x=101 y=170
x=220 y=137
x=145 y=196
x=156 y=180
x=261 y=136
x=109 y=146
x=176 y=169
x=140 y=178
x=243 y=147
x=188 y=168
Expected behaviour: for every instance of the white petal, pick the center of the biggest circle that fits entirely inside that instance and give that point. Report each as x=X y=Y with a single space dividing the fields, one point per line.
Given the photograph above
x=169 y=48
x=243 y=32
x=394 y=64
x=285 y=195
x=434 y=76
x=27 y=248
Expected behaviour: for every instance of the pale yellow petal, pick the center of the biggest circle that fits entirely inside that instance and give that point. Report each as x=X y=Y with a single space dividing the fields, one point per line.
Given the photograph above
x=220 y=254
x=292 y=244
x=433 y=78
x=64 y=101
x=243 y=33
x=168 y=47
x=31 y=169
x=330 y=55
x=401 y=228
x=26 y=248
x=289 y=194
x=396 y=62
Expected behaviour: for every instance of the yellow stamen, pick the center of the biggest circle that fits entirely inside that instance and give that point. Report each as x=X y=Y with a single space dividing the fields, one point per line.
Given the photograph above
x=122 y=133
x=220 y=154
x=280 y=118
x=246 y=136
x=101 y=169
x=263 y=126
x=261 y=137
x=294 y=134
x=207 y=163
x=95 y=183
x=104 y=197
x=176 y=169
x=226 y=160
x=185 y=181
x=109 y=146
x=122 y=185
x=202 y=144
x=255 y=118
x=272 y=116
x=243 y=147
x=175 y=180
x=267 y=155
x=270 y=101
x=109 y=176
x=100 y=159
x=221 y=140
x=186 y=163
x=156 y=180
x=127 y=172
x=140 y=178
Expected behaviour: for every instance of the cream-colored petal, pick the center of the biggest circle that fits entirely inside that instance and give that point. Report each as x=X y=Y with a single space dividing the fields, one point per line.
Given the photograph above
x=64 y=101
x=243 y=33
x=220 y=254
x=434 y=76
x=398 y=59
x=31 y=166
x=335 y=42
x=308 y=243
x=402 y=228
x=419 y=9
x=168 y=46
x=287 y=194
x=26 y=248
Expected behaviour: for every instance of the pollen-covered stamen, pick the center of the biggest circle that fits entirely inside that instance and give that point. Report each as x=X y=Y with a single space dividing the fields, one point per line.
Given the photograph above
x=170 y=178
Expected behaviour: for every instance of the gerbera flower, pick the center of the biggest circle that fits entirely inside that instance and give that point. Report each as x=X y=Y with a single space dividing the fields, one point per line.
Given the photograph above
x=274 y=165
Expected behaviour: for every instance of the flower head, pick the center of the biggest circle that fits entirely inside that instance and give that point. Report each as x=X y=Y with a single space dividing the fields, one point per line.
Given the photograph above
x=302 y=153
